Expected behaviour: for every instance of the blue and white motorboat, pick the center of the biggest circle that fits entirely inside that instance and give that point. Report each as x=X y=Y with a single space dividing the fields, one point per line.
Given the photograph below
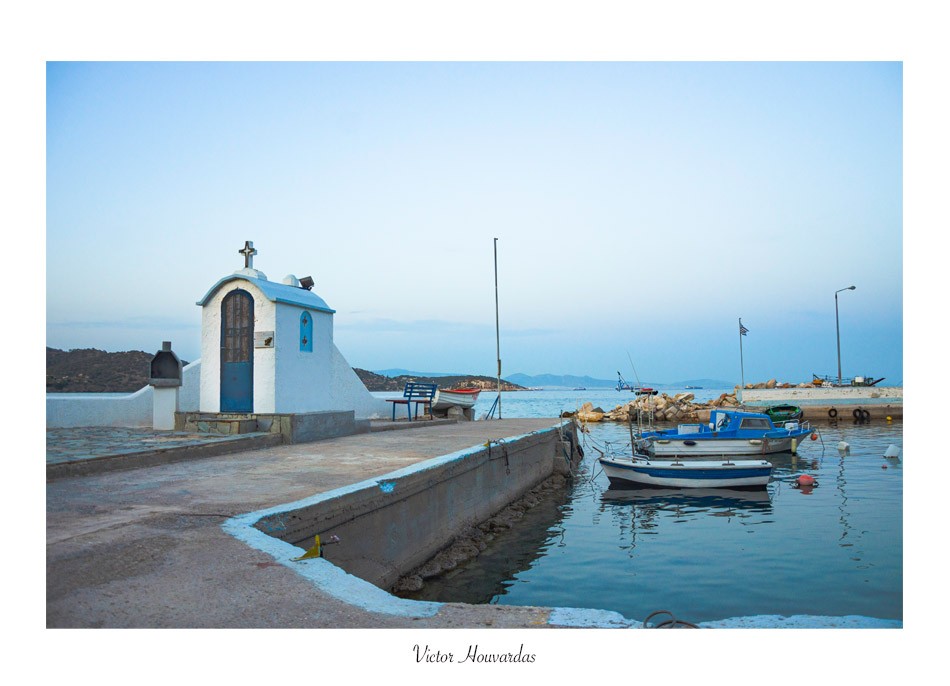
x=642 y=470
x=729 y=432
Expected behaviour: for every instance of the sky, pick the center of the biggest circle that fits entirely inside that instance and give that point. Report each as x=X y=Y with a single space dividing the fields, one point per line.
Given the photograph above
x=640 y=210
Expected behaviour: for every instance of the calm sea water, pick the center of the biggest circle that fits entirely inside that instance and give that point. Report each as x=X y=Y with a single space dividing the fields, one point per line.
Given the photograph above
x=703 y=555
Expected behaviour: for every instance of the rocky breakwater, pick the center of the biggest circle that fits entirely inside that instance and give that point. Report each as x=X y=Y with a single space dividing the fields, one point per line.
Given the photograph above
x=664 y=408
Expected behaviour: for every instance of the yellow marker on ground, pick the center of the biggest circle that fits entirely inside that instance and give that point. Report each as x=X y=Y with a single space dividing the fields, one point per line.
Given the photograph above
x=313 y=552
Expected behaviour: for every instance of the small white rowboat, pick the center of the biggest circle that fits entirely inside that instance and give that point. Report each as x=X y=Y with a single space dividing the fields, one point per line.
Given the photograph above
x=458 y=397
x=722 y=473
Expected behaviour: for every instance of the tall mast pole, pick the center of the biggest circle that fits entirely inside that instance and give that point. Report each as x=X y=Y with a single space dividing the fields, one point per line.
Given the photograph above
x=741 y=364
x=497 y=335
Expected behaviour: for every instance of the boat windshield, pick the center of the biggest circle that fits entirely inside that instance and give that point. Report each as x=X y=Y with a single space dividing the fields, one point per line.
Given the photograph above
x=754 y=423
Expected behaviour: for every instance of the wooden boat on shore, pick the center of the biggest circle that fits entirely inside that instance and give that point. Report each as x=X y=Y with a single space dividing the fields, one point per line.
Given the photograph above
x=455 y=397
x=642 y=470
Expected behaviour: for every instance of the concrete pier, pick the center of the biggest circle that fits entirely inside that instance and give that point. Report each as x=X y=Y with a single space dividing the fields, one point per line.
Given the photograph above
x=145 y=546
x=833 y=403
x=843 y=413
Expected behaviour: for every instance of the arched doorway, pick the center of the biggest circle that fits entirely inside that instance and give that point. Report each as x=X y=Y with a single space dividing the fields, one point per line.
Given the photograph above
x=237 y=352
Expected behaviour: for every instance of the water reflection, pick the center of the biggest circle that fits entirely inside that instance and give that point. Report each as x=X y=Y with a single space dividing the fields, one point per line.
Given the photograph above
x=701 y=500
x=637 y=512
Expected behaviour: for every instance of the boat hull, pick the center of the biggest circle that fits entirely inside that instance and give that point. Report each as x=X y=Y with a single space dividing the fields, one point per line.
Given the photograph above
x=444 y=399
x=697 y=447
x=687 y=474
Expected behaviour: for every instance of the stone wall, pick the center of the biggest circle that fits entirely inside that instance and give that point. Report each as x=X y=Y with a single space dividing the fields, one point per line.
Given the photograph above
x=132 y=410
x=392 y=525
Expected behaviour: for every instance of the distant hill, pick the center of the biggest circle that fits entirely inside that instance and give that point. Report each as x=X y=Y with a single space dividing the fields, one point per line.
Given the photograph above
x=393 y=373
x=569 y=381
x=560 y=381
x=90 y=370
x=377 y=382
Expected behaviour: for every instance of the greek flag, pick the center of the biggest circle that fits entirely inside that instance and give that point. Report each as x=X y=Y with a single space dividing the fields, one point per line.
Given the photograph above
x=742 y=330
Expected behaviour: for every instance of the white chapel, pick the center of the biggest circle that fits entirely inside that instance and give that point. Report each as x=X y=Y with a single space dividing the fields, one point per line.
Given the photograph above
x=267 y=348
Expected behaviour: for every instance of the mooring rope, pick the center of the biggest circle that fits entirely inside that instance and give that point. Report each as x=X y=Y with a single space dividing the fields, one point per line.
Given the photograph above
x=671 y=623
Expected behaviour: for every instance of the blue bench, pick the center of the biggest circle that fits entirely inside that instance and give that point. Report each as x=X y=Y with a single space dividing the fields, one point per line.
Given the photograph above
x=414 y=393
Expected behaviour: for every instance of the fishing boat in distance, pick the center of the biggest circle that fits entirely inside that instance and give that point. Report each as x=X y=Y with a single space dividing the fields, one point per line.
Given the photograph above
x=729 y=432
x=832 y=381
x=455 y=397
x=639 y=470
x=622 y=385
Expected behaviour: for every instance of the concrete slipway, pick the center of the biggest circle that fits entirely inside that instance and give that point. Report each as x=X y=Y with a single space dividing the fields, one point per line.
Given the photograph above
x=174 y=545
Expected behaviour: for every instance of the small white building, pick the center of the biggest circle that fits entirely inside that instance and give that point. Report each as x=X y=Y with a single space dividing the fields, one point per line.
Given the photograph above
x=267 y=348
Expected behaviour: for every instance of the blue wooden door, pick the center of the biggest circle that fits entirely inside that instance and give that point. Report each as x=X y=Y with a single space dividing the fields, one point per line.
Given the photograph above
x=237 y=352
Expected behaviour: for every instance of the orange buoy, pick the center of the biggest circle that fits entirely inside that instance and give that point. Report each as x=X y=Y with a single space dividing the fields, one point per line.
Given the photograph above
x=806 y=481
x=814 y=437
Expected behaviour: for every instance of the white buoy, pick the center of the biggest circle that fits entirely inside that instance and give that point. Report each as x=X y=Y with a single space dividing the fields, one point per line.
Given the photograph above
x=892 y=451
x=844 y=448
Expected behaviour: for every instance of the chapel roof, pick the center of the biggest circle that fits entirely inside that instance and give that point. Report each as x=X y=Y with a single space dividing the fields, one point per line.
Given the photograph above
x=275 y=292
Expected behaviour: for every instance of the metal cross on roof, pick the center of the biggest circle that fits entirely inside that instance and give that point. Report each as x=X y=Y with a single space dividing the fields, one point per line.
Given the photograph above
x=248 y=251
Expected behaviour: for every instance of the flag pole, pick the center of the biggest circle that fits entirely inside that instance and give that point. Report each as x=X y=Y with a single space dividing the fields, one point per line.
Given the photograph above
x=497 y=335
x=741 y=362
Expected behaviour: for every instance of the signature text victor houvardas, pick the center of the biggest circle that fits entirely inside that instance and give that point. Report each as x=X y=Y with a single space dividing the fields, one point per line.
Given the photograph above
x=473 y=654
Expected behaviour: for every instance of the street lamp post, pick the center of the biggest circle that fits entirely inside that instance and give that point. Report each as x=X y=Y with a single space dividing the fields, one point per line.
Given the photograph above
x=838 y=329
